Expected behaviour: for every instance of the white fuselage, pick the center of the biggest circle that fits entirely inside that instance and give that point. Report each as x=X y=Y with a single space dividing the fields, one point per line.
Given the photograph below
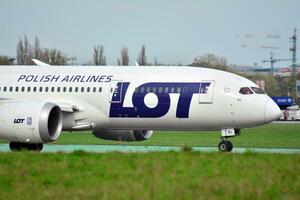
x=148 y=98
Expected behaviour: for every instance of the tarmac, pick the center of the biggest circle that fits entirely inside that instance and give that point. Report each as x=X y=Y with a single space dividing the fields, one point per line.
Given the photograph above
x=51 y=148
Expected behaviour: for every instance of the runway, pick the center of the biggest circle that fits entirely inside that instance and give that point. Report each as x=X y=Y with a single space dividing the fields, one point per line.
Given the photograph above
x=50 y=148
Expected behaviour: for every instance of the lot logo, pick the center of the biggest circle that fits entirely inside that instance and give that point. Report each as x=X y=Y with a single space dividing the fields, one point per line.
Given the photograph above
x=162 y=91
x=19 y=121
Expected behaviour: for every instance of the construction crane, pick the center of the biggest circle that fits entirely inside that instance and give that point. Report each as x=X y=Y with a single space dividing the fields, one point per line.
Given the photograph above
x=272 y=61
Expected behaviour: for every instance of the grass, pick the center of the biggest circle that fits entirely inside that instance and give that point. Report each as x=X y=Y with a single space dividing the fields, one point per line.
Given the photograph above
x=272 y=135
x=169 y=175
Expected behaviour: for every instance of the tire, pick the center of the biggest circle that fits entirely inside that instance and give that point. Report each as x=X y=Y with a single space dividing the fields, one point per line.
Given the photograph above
x=225 y=146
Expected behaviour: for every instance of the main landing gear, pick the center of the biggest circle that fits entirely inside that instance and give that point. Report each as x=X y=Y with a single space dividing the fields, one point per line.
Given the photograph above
x=19 y=146
x=225 y=145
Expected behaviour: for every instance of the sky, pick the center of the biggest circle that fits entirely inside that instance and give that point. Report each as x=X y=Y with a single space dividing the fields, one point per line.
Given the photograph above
x=174 y=31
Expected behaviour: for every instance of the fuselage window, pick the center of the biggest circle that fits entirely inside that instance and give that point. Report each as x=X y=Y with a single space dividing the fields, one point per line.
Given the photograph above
x=142 y=89
x=76 y=89
x=257 y=90
x=166 y=90
x=4 y=89
x=58 y=89
x=154 y=89
x=17 y=89
x=23 y=89
x=100 y=89
x=160 y=89
x=178 y=90
x=148 y=89
x=172 y=90
x=41 y=89
x=46 y=89
x=82 y=89
x=70 y=89
x=52 y=89
x=88 y=89
x=10 y=89
x=64 y=89
x=185 y=89
x=28 y=89
x=245 y=90
x=34 y=89
x=0 y=89
x=94 y=89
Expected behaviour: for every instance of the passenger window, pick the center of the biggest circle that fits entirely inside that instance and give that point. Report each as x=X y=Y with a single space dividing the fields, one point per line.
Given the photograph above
x=257 y=90
x=28 y=89
x=76 y=89
x=166 y=90
x=160 y=89
x=178 y=90
x=100 y=89
x=34 y=89
x=17 y=89
x=154 y=89
x=70 y=89
x=4 y=89
x=23 y=89
x=41 y=89
x=245 y=90
x=142 y=89
x=46 y=89
x=94 y=89
x=88 y=89
x=82 y=89
x=58 y=89
x=52 y=89
x=64 y=89
x=172 y=90
x=10 y=89
x=148 y=89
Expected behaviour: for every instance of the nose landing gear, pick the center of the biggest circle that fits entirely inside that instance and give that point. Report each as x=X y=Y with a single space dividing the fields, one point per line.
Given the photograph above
x=225 y=145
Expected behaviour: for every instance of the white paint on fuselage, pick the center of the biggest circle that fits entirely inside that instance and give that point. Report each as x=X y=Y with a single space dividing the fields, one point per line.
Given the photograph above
x=229 y=108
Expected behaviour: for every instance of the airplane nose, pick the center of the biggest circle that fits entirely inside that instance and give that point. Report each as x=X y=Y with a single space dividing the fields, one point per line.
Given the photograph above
x=272 y=111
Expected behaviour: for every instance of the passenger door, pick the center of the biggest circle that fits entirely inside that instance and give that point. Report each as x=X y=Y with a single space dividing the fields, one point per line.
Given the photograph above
x=206 y=92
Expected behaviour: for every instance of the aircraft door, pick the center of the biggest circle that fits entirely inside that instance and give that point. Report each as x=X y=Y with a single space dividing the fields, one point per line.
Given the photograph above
x=206 y=92
x=115 y=92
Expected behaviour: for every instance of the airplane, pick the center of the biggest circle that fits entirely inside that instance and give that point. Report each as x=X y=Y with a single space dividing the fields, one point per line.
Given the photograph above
x=126 y=103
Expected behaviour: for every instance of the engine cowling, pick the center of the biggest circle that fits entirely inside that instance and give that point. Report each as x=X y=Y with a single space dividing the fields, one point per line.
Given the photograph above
x=31 y=122
x=124 y=135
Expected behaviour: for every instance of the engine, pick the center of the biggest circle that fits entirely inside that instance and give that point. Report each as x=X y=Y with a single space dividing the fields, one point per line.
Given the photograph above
x=30 y=122
x=124 y=135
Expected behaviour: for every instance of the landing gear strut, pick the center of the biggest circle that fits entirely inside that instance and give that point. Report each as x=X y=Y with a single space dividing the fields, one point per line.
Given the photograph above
x=225 y=145
x=19 y=146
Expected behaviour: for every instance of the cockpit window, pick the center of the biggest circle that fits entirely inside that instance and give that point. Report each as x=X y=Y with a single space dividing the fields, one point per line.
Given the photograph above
x=246 y=90
x=257 y=90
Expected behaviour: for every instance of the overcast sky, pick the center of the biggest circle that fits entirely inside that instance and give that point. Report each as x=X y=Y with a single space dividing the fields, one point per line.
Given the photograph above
x=174 y=31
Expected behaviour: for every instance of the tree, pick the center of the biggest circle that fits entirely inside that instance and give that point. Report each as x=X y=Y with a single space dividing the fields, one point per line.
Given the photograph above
x=36 y=49
x=124 y=60
x=142 y=59
x=5 y=60
x=24 y=52
x=53 y=57
x=99 y=57
x=210 y=61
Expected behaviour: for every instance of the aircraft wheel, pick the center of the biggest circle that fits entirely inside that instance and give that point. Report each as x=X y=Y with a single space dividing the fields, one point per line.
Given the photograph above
x=225 y=146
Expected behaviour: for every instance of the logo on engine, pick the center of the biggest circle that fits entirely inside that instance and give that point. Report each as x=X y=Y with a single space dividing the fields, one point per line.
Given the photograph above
x=19 y=121
x=29 y=120
x=162 y=90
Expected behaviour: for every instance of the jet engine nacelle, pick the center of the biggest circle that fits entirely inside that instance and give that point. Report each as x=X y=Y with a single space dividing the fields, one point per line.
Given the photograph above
x=124 y=135
x=31 y=122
